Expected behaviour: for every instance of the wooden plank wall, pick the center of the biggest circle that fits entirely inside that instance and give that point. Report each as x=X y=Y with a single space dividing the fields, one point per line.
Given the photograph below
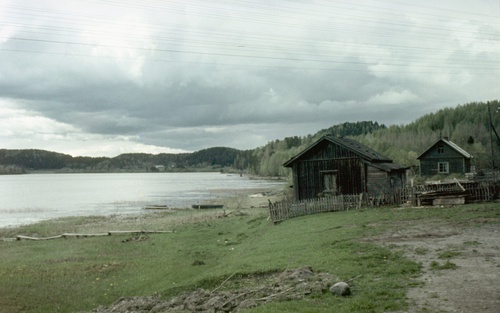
x=310 y=182
x=377 y=180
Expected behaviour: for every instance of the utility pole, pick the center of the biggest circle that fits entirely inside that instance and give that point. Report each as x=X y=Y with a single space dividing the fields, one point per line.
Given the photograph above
x=491 y=142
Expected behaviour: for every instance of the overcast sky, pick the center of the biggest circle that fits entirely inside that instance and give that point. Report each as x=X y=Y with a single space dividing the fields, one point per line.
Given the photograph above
x=105 y=77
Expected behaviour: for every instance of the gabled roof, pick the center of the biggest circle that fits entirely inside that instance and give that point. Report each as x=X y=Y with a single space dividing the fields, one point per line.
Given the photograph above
x=451 y=144
x=388 y=167
x=361 y=150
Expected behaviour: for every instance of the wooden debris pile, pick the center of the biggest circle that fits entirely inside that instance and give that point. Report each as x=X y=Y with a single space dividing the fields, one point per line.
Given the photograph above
x=289 y=285
x=456 y=193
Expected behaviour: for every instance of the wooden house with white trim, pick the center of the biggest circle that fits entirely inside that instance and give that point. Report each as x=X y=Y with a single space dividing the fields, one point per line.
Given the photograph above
x=443 y=158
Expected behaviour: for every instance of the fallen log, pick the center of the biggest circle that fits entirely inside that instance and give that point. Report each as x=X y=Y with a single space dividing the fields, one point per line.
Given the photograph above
x=84 y=235
x=21 y=237
x=139 y=232
x=77 y=235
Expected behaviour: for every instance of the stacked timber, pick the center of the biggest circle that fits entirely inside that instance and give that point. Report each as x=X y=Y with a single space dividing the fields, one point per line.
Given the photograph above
x=456 y=192
x=451 y=194
x=446 y=197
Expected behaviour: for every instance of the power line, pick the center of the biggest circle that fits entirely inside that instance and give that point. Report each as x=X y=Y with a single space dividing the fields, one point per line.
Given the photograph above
x=363 y=64
x=256 y=46
x=228 y=44
x=289 y=22
x=247 y=18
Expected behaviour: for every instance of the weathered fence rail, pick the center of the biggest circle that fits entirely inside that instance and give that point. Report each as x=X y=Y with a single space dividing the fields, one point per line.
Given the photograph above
x=483 y=192
x=283 y=210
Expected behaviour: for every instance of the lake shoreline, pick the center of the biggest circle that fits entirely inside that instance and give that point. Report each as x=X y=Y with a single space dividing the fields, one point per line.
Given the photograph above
x=247 y=202
x=26 y=199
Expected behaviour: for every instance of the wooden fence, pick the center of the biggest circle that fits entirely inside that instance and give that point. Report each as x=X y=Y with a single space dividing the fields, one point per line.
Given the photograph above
x=280 y=211
x=283 y=210
x=483 y=192
x=286 y=209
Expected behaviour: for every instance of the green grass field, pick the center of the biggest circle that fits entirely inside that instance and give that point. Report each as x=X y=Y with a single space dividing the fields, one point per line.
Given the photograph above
x=71 y=275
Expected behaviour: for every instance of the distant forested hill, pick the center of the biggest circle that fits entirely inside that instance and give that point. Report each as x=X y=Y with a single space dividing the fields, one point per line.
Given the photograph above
x=21 y=161
x=14 y=161
x=467 y=125
x=18 y=161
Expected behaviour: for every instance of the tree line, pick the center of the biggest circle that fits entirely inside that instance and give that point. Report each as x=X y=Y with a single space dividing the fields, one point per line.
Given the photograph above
x=467 y=125
x=26 y=160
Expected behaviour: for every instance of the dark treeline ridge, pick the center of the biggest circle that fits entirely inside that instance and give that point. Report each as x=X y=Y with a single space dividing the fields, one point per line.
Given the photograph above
x=467 y=125
x=26 y=160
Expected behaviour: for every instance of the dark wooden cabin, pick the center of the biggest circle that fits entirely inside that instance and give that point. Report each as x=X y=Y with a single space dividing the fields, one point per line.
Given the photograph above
x=335 y=165
x=444 y=157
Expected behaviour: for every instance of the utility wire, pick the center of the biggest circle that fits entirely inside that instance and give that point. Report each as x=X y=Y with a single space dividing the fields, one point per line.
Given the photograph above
x=255 y=46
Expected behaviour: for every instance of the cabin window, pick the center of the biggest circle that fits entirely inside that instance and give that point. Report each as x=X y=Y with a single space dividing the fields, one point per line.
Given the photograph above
x=443 y=167
x=440 y=149
x=330 y=182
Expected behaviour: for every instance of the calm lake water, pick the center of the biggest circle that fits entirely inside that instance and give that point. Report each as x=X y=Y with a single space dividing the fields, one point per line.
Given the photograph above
x=26 y=199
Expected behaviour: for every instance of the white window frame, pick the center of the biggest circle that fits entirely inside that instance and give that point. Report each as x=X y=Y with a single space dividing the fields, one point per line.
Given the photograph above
x=443 y=167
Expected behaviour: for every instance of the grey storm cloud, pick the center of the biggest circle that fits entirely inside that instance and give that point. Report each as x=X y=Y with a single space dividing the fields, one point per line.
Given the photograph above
x=108 y=78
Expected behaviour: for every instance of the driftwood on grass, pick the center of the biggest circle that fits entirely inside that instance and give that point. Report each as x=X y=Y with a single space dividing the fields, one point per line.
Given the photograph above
x=20 y=237
x=139 y=232
x=220 y=286
x=77 y=235
x=275 y=294
x=66 y=235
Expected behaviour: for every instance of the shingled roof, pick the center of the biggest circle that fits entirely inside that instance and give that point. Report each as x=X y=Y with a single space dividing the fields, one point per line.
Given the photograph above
x=361 y=150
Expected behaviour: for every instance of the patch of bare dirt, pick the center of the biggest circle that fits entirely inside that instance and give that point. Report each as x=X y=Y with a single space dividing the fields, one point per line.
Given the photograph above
x=288 y=285
x=460 y=264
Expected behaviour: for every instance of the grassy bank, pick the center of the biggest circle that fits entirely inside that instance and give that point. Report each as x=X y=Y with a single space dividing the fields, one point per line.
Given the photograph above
x=69 y=275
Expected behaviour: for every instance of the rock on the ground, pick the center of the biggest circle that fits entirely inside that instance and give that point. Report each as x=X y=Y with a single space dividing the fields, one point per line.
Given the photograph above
x=341 y=289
